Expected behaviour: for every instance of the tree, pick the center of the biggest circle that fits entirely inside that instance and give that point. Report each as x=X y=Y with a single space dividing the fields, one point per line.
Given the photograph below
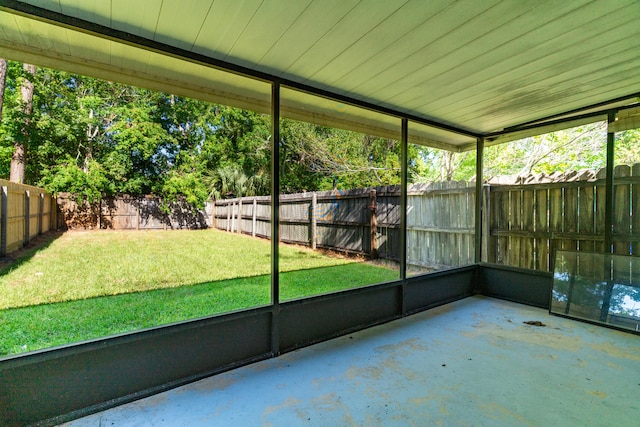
x=320 y=158
x=3 y=82
x=229 y=181
x=97 y=138
x=578 y=148
x=627 y=150
x=19 y=157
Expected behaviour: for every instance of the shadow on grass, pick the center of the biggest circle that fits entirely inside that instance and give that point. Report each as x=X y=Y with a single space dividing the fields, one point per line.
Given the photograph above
x=17 y=258
x=42 y=326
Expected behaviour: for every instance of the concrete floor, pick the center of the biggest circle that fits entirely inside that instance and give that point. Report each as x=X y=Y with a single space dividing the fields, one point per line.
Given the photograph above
x=470 y=363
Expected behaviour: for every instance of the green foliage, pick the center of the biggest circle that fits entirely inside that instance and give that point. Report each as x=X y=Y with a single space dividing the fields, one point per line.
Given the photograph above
x=627 y=150
x=185 y=184
x=320 y=158
x=87 y=185
x=96 y=138
x=575 y=149
x=229 y=181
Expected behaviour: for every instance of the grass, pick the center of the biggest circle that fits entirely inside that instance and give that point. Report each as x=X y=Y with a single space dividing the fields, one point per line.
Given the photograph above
x=86 y=285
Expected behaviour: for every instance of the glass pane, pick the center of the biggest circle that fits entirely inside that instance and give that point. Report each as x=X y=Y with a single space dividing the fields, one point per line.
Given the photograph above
x=597 y=287
x=440 y=207
x=132 y=167
x=339 y=203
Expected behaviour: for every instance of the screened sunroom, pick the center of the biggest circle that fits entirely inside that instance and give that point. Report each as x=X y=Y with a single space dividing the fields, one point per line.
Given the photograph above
x=505 y=300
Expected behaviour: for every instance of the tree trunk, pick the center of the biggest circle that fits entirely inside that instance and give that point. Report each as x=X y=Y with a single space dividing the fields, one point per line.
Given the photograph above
x=19 y=158
x=447 y=168
x=91 y=134
x=3 y=82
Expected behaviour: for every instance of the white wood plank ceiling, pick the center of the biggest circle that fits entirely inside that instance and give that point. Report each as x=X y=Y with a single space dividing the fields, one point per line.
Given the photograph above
x=480 y=66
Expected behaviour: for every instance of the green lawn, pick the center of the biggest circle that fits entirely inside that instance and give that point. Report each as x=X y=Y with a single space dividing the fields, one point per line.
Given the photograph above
x=85 y=285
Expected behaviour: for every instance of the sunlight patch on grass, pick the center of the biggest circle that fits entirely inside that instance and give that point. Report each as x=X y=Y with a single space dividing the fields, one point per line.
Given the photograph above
x=81 y=265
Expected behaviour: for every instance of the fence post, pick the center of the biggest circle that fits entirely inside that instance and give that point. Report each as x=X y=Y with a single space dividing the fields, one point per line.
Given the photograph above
x=40 y=212
x=53 y=218
x=314 y=220
x=373 y=224
x=239 y=227
x=100 y=213
x=214 y=220
x=139 y=199
x=233 y=216
x=227 y=207
x=27 y=216
x=4 y=221
x=254 y=219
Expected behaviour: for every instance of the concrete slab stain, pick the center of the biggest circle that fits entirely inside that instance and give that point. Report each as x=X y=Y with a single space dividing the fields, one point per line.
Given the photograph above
x=600 y=394
x=288 y=403
x=419 y=401
x=216 y=383
x=407 y=346
x=499 y=412
x=617 y=351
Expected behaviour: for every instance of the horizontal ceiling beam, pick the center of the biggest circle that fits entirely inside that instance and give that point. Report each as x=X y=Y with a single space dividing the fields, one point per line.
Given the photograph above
x=573 y=113
x=539 y=128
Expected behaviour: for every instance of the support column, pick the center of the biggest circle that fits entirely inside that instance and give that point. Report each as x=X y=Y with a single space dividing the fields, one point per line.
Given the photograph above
x=608 y=217
x=609 y=188
x=404 y=141
x=275 y=217
x=479 y=202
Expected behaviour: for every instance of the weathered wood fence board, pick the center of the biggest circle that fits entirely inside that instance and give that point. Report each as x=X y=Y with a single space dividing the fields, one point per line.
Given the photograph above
x=440 y=224
x=25 y=212
x=440 y=221
x=525 y=221
x=530 y=221
x=334 y=220
x=133 y=213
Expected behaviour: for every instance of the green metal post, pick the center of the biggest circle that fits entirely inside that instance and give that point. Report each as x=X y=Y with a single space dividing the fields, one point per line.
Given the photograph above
x=608 y=218
x=403 y=209
x=609 y=208
x=275 y=216
x=478 y=206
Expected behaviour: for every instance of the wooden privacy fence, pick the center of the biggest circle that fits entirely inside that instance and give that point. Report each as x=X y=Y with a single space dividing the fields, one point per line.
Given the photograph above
x=441 y=224
x=440 y=221
x=25 y=212
x=132 y=213
x=525 y=219
x=536 y=215
x=338 y=220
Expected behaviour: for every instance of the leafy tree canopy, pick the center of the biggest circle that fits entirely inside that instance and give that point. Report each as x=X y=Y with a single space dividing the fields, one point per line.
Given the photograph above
x=95 y=138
